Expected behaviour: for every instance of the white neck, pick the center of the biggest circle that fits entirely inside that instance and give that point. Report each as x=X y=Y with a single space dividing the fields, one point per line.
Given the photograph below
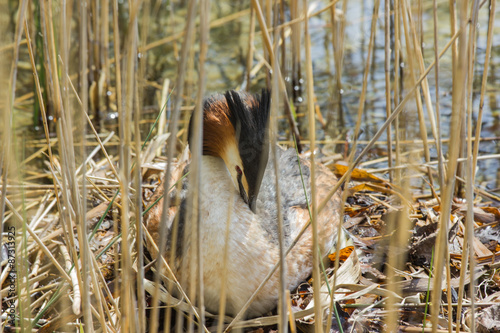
x=217 y=190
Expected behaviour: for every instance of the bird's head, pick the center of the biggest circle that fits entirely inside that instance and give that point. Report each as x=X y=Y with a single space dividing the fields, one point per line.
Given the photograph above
x=235 y=128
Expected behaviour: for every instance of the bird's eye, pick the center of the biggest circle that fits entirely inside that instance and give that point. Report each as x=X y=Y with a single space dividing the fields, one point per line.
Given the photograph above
x=238 y=170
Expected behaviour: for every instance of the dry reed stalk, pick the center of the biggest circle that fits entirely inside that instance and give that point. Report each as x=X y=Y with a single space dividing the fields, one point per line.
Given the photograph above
x=39 y=242
x=97 y=136
x=398 y=225
x=3 y=277
x=318 y=313
x=137 y=171
x=412 y=51
x=36 y=267
x=77 y=299
x=186 y=46
x=44 y=239
x=42 y=212
x=213 y=24
x=338 y=38
x=251 y=38
x=26 y=97
x=100 y=300
x=165 y=97
x=105 y=16
x=425 y=86
x=279 y=19
x=22 y=206
x=295 y=46
x=347 y=175
x=291 y=319
x=70 y=194
x=387 y=67
x=193 y=234
x=459 y=80
x=194 y=177
x=362 y=97
x=300 y=19
x=138 y=210
x=103 y=195
x=34 y=176
x=268 y=46
x=36 y=154
x=489 y=43
x=116 y=43
x=397 y=85
x=46 y=287
x=40 y=302
x=109 y=297
x=439 y=146
x=127 y=297
x=84 y=248
x=49 y=57
x=12 y=46
x=273 y=133
x=5 y=160
x=267 y=7
x=469 y=229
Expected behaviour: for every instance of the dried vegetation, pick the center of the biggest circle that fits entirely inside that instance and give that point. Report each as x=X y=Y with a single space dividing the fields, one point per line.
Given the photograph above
x=95 y=99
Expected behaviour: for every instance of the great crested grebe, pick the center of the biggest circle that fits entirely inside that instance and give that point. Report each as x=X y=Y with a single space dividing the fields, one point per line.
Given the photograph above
x=236 y=168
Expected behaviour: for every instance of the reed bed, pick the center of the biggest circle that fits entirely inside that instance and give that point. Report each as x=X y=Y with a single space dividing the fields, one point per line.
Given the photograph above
x=96 y=101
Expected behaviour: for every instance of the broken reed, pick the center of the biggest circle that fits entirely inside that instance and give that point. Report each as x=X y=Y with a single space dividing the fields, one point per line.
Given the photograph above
x=113 y=42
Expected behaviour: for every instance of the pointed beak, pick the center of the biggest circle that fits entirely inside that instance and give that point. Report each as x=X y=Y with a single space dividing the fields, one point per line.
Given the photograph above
x=252 y=203
x=254 y=175
x=253 y=193
x=250 y=198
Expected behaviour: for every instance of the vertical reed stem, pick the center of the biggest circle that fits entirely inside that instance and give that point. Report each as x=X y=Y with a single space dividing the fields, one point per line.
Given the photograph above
x=273 y=124
x=318 y=311
x=459 y=81
x=387 y=67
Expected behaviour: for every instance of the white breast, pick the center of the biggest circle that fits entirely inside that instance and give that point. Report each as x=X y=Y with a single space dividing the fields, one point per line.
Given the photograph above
x=252 y=248
x=250 y=255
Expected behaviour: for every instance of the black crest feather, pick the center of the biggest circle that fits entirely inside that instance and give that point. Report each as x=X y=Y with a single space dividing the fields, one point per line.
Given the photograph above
x=249 y=116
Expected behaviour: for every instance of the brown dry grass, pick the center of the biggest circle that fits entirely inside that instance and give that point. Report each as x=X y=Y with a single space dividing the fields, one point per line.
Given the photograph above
x=71 y=65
